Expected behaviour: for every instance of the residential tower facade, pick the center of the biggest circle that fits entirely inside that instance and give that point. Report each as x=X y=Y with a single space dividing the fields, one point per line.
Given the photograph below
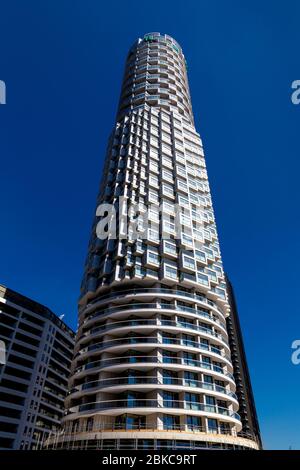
x=152 y=366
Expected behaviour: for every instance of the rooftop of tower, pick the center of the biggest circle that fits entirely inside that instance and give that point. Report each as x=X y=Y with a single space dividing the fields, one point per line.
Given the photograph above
x=156 y=37
x=155 y=75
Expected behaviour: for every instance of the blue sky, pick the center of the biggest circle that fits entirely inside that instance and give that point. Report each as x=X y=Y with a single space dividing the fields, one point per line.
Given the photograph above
x=62 y=61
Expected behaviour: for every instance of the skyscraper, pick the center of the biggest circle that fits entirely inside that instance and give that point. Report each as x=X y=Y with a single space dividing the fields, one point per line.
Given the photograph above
x=34 y=375
x=152 y=365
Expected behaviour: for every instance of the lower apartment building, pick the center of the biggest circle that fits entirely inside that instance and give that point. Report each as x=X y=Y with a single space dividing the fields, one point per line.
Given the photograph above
x=33 y=379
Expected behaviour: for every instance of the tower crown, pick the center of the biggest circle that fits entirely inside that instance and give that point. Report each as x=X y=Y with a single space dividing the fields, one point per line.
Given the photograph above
x=156 y=75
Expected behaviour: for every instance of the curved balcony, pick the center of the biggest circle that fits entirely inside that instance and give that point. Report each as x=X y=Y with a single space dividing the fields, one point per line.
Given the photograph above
x=126 y=309
x=119 y=363
x=148 y=406
x=159 y=325
x=153 y=307
x=148 y=342
x=164 y=382
x=153 y=292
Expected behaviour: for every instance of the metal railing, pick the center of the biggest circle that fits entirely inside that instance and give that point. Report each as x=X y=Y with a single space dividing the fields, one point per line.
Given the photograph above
x=190 y=295
x=153 y=360
x=158 y=323
x=151 y=403
x=136 y=340
x=146 y=380
x=179 y=308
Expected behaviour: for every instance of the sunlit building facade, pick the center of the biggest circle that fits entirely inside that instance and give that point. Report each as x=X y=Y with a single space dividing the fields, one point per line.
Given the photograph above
x=152 y=366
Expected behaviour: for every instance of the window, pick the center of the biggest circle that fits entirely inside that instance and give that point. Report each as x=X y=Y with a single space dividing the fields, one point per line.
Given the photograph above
x=212 y=425
x=169 y=357
x=170 y=272
x=153 y=196
x=189 y=359
x=170 y=422
x=167 y=175
x=182 y=186
x=151 y=272
x=167 y=162
x=181 y=170
x=224 y=428
x=202 y=279
x=194 y=198
x=168 y=227
x=169 y=377
x=130 y=422
x=185 y=220
x=154 y=130
x=198 y=234
x=169 y=248
x=186 y=240
x=217 y=366
x=153 y=166
x=185 y=322
x=153 y=140
x=170 y=399
x=191 y=401
x=188 y=340
x=153 y=180
x=180 y=158
x=208 y=382
x=153 y=153
x=192 y=183
x=204 y=343
x=193 y=422
x=206 y=362
x=188 y=262
x=152 y=258
x=210 y=404
x=166 y=149
x=168 y=207
x=200 y=256
x=167 y=190
x=183 y=201
x=168 y=338
x=154 y=216
x=190 y=379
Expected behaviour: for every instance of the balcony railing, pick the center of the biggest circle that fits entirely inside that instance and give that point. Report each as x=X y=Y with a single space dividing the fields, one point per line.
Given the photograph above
x=190 y=295
x=157 y=323
x=138 y=380
x=154 y=306
x=153 y=360
x=150 y=403
x=152 y=340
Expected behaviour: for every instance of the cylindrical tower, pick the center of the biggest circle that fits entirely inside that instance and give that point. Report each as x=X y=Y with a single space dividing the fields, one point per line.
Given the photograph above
x=152 y=365
x=155 y=74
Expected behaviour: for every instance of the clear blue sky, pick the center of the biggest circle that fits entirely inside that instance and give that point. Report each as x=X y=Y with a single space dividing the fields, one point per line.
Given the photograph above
x=62 y=61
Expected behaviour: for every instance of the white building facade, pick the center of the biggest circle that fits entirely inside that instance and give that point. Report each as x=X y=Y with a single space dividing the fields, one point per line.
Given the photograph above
x=152 y=365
